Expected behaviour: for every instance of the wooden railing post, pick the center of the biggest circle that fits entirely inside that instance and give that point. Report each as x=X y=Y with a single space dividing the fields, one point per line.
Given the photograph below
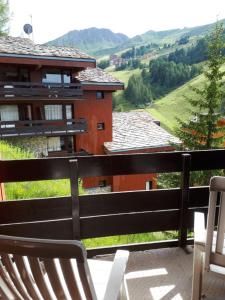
x=73 y=165
x=184 y=201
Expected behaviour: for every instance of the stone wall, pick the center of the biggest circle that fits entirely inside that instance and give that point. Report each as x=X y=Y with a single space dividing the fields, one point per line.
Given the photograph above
x=37 y=145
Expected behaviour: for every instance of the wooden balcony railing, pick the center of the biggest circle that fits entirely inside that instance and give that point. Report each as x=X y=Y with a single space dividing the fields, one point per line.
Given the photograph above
x=42 y=128
x=21 y=90
x=109 y=214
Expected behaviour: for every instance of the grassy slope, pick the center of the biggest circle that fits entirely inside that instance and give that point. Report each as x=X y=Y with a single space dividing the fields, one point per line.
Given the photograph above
x=27 y=190
x=175 y=104
x=125 y=74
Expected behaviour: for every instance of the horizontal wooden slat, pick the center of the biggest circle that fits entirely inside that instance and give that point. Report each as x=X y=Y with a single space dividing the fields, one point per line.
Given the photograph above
x=99 y=204
x=106 y=165
x=57 y=229
x=93 y=226
x=16 y=211
x=90 y=205
x=125 y=202
x=129 y=223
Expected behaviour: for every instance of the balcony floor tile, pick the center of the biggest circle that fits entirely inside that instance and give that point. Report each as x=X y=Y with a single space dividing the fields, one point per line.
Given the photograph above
x=165 y=274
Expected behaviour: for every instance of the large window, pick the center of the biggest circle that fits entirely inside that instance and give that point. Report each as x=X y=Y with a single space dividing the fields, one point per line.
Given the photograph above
x=56 y=76
x=13 y=74
x=53 y=112
x=9 y=113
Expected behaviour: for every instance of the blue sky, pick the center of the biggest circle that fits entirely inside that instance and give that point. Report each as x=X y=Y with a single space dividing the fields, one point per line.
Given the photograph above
x=52 y=18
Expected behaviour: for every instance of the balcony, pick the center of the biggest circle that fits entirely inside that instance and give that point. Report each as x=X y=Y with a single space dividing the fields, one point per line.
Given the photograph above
x=42 y=128
x=159 y=270
x=26 y=90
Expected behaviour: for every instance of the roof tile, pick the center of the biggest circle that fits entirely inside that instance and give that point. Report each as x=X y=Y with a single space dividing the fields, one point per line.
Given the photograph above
x=24 y=46
x=96 y=75
x=137 y=130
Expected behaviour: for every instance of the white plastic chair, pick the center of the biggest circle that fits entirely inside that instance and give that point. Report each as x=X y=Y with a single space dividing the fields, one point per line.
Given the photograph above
x=209 y=249
x=35 y=269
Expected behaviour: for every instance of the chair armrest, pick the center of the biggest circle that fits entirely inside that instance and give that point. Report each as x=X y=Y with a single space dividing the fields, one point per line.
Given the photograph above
x=116 y=275
x=199 y=228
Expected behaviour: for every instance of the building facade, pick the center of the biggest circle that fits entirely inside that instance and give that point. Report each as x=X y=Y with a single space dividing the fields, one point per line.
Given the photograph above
x=54 y=100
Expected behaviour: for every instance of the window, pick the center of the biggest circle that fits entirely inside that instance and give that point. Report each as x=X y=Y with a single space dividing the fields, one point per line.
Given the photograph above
x=9 y=113
x=56 y=76
x=148 y=185
x=13 y=74
x=66 y=77
x=53 y=112
x=69 y=112
x=100 y=95
x=101 y=126
x=54 y=144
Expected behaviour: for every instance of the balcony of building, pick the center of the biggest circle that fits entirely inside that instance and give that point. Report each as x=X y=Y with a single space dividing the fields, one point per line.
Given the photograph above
x=42 y=128
x=42 y=91
x=159 y=270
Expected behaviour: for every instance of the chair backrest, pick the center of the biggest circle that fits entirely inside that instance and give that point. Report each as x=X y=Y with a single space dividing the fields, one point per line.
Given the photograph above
x=33 y=269
x=215 y=255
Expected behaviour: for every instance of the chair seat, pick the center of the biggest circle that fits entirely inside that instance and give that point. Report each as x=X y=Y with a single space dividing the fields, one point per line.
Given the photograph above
x=100 y=271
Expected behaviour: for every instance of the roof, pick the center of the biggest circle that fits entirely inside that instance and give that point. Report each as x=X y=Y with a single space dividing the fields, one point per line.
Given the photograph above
x=95 y=76
x=137 y=130
x=23 y=46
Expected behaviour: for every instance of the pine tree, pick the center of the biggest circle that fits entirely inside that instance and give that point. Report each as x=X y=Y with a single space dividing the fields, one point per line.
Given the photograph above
x=202 y=131
x=4 y=17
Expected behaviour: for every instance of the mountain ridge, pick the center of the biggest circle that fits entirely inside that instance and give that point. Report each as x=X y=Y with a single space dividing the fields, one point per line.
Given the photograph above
x=103 y=41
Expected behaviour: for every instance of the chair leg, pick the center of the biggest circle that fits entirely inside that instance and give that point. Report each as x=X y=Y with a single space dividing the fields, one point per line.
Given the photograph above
x=124 y=295
x=197 y=274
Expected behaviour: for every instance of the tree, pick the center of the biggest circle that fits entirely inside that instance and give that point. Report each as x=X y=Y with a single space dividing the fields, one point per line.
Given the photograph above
x=137 y=92
x=103 y=64
x=4 y=17
x=203 y=131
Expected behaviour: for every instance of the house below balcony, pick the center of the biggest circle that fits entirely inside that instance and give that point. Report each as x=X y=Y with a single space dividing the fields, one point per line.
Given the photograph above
x=134 y=132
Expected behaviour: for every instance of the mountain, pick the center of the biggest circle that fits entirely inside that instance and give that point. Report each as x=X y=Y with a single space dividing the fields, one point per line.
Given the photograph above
x=101 y=42
x=90 y=40
x=167 y=36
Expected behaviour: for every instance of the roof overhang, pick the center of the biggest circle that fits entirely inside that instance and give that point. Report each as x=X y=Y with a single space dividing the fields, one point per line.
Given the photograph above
x=109 y=86
x=47 y=60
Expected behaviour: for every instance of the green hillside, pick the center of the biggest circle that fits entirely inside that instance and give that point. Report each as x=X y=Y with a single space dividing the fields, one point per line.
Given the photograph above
x=124 y=75
x=175 y=104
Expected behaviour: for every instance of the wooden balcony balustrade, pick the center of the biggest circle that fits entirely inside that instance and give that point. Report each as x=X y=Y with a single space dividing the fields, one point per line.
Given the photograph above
x=110 y=214
x=24 y=90
x=42 y=128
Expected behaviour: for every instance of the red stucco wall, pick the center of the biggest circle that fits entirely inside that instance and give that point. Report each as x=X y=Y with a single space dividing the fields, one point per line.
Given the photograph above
x=133 y=182
x=94 y=111
x=137 y=182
